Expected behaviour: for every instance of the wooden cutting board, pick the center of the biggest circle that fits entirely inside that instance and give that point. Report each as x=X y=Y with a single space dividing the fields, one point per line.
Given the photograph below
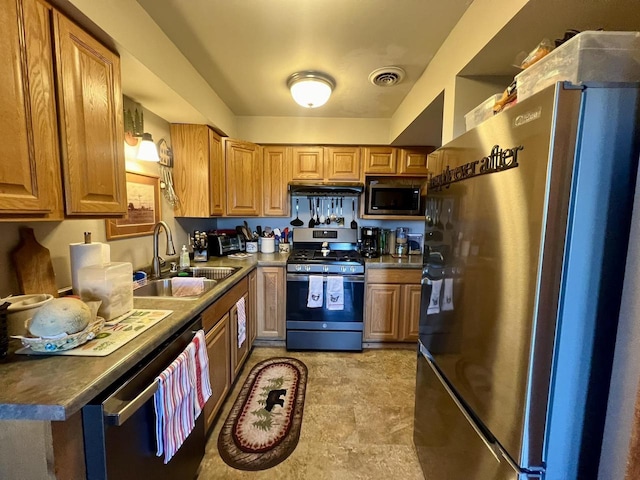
x=32 y=263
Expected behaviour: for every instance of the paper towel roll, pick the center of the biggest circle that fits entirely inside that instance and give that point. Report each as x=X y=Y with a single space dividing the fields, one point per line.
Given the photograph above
x=85 y=254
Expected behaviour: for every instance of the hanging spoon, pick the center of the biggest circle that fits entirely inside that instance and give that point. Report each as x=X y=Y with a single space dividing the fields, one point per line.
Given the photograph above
x=322 y=218
x=438 y=225
x=449 y=225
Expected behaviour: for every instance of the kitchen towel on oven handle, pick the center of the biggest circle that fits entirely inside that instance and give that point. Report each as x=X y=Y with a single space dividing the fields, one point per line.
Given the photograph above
x=183 y=389
x=314 y=298
x=335 y=292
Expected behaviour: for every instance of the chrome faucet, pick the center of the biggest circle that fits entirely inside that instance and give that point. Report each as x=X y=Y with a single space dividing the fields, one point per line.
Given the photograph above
x=155 y=266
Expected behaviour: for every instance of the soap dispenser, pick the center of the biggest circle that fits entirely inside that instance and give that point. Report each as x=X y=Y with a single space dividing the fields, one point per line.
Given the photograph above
x=184 y=258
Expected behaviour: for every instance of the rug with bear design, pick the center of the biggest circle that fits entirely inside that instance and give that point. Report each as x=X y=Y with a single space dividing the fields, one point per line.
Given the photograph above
x=263 y=426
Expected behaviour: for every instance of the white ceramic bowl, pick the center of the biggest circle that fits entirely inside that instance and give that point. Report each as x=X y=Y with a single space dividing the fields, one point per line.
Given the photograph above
x=22 y=308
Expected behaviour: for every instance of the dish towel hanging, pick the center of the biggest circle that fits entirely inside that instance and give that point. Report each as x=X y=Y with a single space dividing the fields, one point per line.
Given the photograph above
x=335 y=293
x=447 y=300
x=434 y=301
x=242 y=321
x=183 y=389
x=202 y=383
x=314 y=299
x=187 y=286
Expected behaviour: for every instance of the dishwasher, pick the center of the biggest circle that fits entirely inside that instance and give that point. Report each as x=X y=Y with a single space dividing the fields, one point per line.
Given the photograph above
x=119 y=426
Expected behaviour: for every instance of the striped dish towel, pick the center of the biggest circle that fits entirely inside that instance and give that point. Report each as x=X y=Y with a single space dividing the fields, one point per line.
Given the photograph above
x=183 y=389
x=242 y=322
x=201 y=374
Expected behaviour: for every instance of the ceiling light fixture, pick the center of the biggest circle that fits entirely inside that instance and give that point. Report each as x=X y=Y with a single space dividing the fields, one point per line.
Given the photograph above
x=310 y=89
x=147 y=150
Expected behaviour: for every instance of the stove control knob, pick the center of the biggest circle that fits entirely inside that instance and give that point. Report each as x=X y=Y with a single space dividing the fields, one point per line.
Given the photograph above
x=352 y=269
x=325 y=268
x=343 y=269
x=298 y=268
x=307 y=268
x=324 y=325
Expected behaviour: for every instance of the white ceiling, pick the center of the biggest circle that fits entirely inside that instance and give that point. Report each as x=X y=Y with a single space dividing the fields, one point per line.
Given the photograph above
x=246 y=49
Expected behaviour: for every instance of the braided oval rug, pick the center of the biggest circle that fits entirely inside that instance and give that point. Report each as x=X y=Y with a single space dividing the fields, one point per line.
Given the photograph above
x=263 y=426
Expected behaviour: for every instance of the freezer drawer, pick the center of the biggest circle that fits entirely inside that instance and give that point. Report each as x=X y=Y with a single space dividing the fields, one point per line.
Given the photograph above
x=447 y=445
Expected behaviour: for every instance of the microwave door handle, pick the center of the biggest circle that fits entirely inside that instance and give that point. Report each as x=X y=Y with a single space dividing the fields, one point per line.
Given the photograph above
x=121 y=415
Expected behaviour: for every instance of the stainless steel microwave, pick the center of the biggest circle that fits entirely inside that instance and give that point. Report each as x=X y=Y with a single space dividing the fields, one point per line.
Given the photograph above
x=392 y=199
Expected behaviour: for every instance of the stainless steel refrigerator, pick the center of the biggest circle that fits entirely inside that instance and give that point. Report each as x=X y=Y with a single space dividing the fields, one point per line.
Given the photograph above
x=527 y=226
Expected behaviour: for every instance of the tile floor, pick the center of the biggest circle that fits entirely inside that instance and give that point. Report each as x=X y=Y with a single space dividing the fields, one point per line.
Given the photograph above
x=357 y=422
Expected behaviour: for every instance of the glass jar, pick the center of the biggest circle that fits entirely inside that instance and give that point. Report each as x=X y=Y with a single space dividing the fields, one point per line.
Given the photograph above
x=401 y=240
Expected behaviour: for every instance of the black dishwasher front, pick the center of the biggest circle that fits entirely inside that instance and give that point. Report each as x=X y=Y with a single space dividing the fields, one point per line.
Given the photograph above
x=119 y=427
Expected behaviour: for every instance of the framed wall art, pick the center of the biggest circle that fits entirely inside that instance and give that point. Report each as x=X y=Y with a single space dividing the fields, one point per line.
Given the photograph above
x=143 y=208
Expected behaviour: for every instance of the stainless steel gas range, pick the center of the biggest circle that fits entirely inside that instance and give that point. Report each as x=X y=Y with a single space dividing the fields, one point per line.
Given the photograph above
x=325 y=290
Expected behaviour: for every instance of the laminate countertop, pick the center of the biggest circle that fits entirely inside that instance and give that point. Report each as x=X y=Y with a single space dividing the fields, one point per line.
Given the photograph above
x=54 y=387
x=388 y=261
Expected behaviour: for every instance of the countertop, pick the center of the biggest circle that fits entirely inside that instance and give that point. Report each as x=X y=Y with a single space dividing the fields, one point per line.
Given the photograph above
x=39 y=387
x=387 y=261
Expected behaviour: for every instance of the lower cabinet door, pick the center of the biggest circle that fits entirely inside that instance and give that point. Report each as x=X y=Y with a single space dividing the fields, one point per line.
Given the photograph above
x=220 y=375
x=239 y=350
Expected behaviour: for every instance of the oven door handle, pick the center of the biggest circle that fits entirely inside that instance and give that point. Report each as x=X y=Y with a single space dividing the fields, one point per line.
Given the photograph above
x=296 y=277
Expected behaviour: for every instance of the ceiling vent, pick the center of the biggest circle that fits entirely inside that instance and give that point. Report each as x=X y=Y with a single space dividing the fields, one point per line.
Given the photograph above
x=387 y=76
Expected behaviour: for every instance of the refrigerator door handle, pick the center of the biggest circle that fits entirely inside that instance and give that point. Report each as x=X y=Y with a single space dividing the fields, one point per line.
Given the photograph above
x=495 y=450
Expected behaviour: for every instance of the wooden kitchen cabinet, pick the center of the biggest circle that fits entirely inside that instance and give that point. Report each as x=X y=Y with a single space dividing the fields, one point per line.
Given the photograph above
x=276 y=164
x=253 y=302
x=413 y=161
x=220 y=323
x=80 y=128
x=240 y=352
x=343 y=164
x=271 y=303
x=244 y=178
x=198 y=170
x=410 y=161
x=308 y=163
x=219 y=352
x=380 y=160
x=392 y=305
x=90 y=121
x=30 y=181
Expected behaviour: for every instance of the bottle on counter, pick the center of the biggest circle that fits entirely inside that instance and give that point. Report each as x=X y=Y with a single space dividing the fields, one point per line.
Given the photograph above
x=184 y=258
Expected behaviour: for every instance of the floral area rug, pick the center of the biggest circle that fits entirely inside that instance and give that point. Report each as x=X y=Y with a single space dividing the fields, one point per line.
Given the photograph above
x=263 y=426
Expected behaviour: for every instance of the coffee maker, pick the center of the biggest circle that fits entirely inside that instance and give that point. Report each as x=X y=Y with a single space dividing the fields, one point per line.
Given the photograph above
x=369 y=237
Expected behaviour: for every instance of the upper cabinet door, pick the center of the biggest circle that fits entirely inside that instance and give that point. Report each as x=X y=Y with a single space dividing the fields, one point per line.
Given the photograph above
x=191 y=166
x=343 y=163
x=308 y=163
x=413 y=161
x=380 y=160
x=276 y=164
x=217 y=175
x=91 y=128
x=30 y=183
x=244 y=178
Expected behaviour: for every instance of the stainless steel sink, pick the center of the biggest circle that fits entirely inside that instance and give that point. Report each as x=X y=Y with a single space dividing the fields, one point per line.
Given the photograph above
x=162 y=288
x=213 y=273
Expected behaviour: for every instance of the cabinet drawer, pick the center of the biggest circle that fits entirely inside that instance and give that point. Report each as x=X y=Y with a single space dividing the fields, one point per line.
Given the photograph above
x=394 y=275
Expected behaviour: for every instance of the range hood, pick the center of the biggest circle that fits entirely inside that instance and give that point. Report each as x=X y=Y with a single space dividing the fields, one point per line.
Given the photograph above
x=311 y=188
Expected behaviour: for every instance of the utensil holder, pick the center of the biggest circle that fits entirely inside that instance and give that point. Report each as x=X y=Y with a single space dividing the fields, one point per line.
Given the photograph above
x=251 y=247
x=268 y=245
